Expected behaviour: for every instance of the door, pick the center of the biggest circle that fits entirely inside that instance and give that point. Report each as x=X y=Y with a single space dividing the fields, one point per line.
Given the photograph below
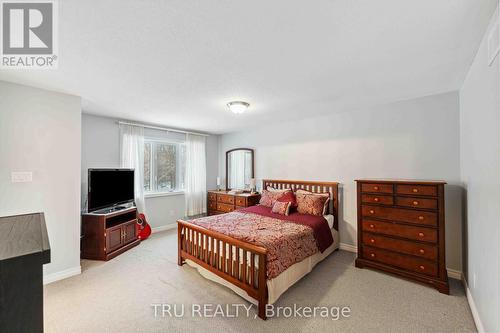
x=114 y=238
x=129 y=232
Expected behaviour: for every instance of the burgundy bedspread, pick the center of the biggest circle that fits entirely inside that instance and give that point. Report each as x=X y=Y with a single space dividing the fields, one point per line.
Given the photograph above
x=288 y=239
x=318 y=224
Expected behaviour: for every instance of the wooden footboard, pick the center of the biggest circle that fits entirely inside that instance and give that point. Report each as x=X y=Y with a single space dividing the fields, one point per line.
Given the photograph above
x=229 y=258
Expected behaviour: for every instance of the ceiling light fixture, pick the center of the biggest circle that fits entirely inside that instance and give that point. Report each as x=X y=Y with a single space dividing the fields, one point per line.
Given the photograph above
x=238 y=106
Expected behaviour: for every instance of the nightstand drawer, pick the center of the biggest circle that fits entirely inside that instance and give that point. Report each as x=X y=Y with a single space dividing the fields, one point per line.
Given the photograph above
x=418 y=249
x=417 y=202
x=399 y=230
x=429 y=190
x=377 y=188
x=400 y=214
x=225 y=208
x=224 y=198
x=377 y=199
x=416 y=265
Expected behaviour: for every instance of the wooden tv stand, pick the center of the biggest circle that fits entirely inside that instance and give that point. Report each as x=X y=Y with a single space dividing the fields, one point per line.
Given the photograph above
x=109 y=234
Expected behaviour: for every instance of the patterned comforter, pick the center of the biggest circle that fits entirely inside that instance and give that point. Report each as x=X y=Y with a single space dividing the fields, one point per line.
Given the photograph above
x=286 y=241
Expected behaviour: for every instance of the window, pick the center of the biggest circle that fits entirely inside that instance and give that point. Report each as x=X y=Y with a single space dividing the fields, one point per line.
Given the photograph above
x=164 y=166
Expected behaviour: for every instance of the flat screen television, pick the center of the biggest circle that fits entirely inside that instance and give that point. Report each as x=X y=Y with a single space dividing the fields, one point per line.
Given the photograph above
x=110 y=187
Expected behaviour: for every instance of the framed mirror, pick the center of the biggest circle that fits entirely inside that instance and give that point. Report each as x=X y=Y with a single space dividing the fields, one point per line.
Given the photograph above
x=239 y=168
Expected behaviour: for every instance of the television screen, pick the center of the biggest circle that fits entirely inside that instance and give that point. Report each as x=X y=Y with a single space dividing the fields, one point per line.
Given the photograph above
x=110 y=187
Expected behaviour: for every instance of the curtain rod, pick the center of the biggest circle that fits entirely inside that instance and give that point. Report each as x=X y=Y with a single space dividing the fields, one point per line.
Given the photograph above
x=160 y=128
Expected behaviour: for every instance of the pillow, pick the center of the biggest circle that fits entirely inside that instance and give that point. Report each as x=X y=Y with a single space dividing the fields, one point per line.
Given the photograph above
x=323 y=194
x=288 y=196
x=268 y=198
x=282 y=208
x=311 y=204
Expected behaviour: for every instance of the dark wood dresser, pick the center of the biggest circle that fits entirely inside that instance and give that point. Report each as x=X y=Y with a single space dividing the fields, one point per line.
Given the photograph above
x=220 y=202
x=24 y=249
x=401 y=229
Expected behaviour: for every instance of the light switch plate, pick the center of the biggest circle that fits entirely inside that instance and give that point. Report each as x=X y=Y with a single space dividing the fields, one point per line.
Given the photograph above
x=21 y=177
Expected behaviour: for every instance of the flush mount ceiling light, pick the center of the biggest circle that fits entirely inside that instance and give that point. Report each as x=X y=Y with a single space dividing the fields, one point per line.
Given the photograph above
x=238 y=106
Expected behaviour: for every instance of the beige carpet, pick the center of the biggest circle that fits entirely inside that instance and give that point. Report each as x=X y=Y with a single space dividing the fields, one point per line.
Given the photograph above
x=116 y=296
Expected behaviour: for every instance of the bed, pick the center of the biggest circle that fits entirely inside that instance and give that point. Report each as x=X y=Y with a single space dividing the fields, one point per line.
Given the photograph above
x=260 y=269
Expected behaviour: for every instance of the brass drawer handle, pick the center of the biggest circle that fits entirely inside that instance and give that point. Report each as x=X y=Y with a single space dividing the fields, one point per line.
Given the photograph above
x=372 y=255
x=372 y=211
x=421 y=234
x=421 y=218
x=372 y=240
x=372 y=226
x=421 y=251
x=421 y=267
x=375 y=199
x=415 y=203
x=375 y=188
x=415 y=190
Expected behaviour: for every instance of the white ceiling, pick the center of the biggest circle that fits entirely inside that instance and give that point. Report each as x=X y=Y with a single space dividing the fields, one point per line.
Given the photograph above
x=178 y=63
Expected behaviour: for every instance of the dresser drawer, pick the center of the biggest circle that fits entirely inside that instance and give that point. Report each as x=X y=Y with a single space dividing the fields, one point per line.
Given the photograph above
x=378 y=199
x=376 y=188
x=429 y=190
x=241 y=201
x=417 y=202
x=225 y=207
x=417 y=265
x=212 y=196
x=425 y=251
x=400 y=214
x=224 y=198
x=212 y=205
x=398 y=230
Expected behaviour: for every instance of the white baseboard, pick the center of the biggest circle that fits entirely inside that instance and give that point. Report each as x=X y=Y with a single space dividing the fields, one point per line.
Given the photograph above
x=164 y=227
x=349 y=247
x=53 y=277
x=473 y=308
x=452 y=273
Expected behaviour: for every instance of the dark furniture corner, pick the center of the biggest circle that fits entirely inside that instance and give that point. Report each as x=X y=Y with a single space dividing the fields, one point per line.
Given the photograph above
x=24 y=249
x=107 y=235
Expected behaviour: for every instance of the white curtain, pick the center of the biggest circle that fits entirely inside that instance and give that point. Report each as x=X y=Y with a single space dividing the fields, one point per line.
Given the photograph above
x=196 y=175
x=132 y=157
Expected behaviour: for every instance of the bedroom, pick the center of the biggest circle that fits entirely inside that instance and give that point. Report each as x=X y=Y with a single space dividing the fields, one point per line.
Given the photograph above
x=361 y=100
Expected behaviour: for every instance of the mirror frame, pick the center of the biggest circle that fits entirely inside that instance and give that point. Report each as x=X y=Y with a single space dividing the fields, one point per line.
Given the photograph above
x=227 y=164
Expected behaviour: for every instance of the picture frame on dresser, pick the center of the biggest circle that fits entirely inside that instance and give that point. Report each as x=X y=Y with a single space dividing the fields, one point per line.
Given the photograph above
x=401 y=229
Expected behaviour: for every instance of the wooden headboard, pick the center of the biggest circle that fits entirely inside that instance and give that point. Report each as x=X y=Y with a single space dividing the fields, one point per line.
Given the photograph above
x=316 y=187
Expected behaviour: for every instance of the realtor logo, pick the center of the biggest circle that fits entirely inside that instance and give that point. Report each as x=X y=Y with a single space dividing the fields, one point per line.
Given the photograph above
x=28 y=34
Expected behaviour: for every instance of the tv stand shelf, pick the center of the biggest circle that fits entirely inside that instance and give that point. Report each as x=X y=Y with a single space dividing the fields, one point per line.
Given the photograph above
x=107 y=235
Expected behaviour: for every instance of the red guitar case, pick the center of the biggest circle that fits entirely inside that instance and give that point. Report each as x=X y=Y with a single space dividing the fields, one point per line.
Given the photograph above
x=143 y=228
